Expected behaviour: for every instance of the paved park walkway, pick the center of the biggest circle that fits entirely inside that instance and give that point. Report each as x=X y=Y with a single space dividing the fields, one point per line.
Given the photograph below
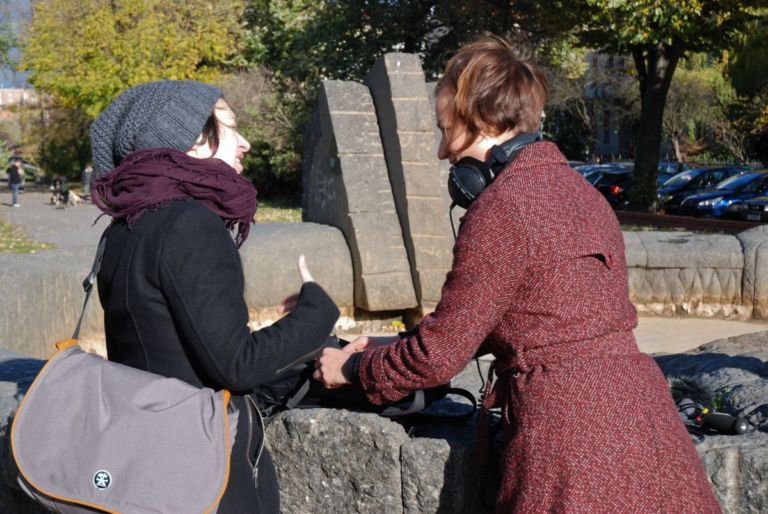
x=72 y=231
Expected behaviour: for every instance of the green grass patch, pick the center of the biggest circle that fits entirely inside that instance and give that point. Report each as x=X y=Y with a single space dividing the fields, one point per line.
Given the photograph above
x=14 y=240
x=278 y=210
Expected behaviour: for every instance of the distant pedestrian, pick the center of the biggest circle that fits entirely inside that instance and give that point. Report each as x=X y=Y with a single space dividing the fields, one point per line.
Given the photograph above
x=86 y=178
x=14 y=181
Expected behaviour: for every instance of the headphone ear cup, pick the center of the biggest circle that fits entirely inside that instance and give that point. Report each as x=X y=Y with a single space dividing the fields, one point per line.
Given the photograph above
x=467 y=179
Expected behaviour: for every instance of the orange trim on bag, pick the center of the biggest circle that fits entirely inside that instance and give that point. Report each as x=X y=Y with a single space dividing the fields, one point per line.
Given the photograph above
x=65 y=345
x=225 y=397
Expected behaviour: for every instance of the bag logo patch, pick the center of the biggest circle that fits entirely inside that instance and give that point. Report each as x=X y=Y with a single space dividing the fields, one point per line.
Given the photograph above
x=102 y=479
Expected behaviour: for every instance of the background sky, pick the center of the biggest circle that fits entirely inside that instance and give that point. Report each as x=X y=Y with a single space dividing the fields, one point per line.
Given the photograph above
x=15 y=11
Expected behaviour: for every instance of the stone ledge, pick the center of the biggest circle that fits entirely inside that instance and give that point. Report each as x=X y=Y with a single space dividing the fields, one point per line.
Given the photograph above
x=335 y=460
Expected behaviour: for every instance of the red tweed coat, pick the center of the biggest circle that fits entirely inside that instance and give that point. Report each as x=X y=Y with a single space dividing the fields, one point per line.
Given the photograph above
x=539 y=275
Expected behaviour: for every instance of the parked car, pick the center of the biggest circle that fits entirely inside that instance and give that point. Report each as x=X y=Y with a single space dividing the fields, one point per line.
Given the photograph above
x=755 y=209
x=689 y=182
x=721 y=201
x=614 y=186
x=592 y=172
x=668 y=169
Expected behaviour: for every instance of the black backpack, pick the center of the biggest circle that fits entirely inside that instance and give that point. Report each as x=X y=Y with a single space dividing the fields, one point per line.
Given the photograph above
x=293 y=387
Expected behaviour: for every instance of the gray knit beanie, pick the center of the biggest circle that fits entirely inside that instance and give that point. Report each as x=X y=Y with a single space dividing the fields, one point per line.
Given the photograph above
x=164 y=114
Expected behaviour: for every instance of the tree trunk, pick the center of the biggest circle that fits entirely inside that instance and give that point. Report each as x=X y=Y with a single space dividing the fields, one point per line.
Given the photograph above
x=676 y=145
x=655 y=66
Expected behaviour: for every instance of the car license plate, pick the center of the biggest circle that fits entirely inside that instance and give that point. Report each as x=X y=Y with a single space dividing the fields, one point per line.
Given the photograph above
x=753 y=217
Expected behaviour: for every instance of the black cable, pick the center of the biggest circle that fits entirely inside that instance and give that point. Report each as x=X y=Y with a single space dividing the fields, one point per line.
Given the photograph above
x=450 y=217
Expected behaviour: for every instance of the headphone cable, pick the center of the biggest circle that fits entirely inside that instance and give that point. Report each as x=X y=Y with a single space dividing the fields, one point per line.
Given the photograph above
x=450 y=217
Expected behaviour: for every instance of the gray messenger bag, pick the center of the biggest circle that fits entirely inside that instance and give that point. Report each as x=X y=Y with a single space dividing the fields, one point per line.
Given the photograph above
x=97 y=436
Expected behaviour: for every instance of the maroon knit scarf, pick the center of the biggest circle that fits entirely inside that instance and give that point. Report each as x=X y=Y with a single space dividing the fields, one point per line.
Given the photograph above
x=147 y=179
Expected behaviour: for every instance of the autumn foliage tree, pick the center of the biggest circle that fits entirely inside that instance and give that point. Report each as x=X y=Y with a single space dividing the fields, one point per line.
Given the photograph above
x=86 y=52
x=83 y=53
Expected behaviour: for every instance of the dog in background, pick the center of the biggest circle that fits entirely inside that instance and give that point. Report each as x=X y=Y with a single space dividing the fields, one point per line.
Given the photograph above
x=64 y=197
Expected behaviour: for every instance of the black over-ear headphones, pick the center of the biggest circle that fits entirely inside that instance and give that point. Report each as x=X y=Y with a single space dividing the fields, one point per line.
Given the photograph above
x=469 y=176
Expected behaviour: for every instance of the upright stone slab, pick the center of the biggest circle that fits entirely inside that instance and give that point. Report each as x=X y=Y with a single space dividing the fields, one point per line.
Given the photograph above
x=406 y=123
x=754 y=243
x=346 y=185
x=443 y=166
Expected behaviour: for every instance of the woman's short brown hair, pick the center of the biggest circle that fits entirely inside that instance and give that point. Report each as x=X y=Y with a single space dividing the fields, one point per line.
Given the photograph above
x=493 y=89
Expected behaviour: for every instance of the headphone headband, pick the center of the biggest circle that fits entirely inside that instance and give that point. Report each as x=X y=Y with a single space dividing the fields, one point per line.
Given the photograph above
x=506 y=151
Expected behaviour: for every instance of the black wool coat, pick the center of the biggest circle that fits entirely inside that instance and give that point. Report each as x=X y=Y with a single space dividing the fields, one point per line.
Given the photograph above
x=172 y=292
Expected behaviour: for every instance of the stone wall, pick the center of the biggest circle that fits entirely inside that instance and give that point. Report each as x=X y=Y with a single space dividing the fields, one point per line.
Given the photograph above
x=701 y=275
x=42 y=293
x=339 y=461
x=679 y=273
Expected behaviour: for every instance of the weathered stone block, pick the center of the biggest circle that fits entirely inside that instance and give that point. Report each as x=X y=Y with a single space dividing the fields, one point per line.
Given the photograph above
x=367 y=183
x=754 y=244
x=414 y=113
x=434 y=252
x=406 y=123
x=634 y=251
x=429 y=220
x=356 y=133
x=417 y=147
x=356 y=195
x=438 y=476
x=269 y=262
x=685 y=250
x=434 y=279
x=403 y=63
x=383 y=290
x=337 y=461
x=344 y=96
x=423 y=181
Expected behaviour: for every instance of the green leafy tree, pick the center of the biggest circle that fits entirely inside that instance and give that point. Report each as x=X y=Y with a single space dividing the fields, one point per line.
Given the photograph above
x=747 y=63
x=657 y=34
x=580 y=92
x=297 y=43
x=85 y=52
x=699 y=100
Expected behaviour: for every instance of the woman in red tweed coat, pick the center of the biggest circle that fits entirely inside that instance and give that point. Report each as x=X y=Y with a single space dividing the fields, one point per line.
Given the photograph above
x=539 y=279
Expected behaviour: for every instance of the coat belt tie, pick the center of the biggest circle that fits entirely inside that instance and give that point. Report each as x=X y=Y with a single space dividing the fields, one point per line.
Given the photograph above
x=494 y=394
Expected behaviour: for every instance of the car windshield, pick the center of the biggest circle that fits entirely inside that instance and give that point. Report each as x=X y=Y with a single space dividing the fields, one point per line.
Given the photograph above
x=737 y=181
x=593 y=177
x=683 y=178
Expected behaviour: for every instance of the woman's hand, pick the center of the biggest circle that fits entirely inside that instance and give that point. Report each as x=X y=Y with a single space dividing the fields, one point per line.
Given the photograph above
x=328 y=368
x=366 y=342
x=290 y=302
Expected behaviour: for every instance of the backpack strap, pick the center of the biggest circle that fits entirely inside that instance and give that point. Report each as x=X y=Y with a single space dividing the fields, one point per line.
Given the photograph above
x=90 y=279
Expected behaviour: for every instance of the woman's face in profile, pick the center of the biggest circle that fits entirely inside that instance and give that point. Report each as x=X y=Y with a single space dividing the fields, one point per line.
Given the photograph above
x=454 y=135
x=232 y=145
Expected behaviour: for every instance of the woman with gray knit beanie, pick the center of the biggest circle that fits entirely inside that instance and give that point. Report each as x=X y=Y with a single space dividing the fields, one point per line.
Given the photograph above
x=168 y=159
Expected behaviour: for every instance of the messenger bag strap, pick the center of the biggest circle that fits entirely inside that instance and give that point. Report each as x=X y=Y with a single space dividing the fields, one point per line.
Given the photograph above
x=90 y=279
